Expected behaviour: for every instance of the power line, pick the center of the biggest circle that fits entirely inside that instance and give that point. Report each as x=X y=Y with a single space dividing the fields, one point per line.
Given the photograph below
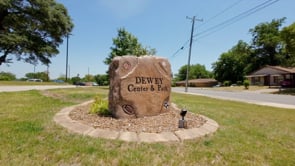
x=210 y=19
x=220 y=13
x=181 y=48
x=235 y=19
x=228 y=22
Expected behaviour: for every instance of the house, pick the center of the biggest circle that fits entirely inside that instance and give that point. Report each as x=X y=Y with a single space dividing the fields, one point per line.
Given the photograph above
x=273 y=76
x=201 y=82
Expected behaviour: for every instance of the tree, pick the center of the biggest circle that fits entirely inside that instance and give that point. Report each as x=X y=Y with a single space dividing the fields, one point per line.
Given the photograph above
x=102 y=79
x=32 y=30
x=196 y=71
x=127 y=44
x=232 y=65
x=267 y=44
x=6 y=76
x=88 y=78
x=39 y=75
x=75 y=80
x=288 y=39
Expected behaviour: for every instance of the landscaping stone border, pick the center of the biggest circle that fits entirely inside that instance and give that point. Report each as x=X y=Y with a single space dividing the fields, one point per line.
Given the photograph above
x=62 y=118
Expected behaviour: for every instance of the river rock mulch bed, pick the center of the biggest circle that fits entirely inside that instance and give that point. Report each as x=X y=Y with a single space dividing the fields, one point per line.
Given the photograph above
x=165 y=122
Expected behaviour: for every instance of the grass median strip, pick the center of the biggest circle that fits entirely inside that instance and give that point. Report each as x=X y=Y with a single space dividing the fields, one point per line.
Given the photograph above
x=248 y=134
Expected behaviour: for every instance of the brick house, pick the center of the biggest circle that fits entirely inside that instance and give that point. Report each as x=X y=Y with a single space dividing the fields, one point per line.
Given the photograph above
x=201 y=82
x=273 y=76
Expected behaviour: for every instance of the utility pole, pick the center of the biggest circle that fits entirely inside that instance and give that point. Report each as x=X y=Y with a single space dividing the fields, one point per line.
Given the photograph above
x=67 y=57
x=190 y=49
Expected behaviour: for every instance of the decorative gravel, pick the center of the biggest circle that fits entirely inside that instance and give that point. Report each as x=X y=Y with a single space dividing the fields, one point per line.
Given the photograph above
x=165 y=122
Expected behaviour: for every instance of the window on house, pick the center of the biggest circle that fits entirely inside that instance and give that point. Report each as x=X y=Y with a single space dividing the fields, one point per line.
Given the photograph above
x=276 y=79
x=288 y=76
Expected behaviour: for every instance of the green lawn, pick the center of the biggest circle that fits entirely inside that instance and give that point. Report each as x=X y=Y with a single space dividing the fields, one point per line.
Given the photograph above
x=248 y=134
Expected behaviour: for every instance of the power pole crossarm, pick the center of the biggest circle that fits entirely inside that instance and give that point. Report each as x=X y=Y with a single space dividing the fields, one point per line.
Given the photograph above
x=190 y=49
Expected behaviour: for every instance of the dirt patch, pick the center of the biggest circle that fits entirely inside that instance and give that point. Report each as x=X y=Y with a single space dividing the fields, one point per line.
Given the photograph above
x=166 y=122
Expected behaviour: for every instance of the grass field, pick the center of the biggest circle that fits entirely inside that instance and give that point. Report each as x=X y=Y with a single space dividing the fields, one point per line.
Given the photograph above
x=248 y=134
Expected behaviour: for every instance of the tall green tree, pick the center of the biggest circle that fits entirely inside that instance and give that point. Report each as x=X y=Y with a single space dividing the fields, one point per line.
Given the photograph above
x=195 y=71
x=288 y=39
x=7 y=76
x=232 y=65
x=38 y=75
x=102 y=79
x=127 y=44
x=266 y=42
x=32 y=30
x=88 y=78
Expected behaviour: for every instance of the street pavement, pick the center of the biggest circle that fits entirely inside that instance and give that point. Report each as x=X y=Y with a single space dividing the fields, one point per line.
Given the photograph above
x=254 y=97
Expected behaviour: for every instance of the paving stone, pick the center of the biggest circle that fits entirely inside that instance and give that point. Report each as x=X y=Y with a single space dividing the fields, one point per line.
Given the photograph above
x=128 y=136
x=186 y=134
x=66 y=110
x=212 y=123
x=169 y=136
x=60 y=118
x=210 y=128
x=202 y=131
x=157 y=137
x=77 y=127
x=100 y=133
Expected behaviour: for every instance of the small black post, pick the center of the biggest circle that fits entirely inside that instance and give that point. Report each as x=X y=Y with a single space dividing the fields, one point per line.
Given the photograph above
x=182 y=123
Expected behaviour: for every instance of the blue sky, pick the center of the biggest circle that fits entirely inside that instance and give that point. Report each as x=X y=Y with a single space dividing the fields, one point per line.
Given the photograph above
x=159 y=24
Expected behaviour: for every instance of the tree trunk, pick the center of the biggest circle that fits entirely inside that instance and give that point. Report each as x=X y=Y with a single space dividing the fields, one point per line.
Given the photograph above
x=3 y=14
x=3 y=57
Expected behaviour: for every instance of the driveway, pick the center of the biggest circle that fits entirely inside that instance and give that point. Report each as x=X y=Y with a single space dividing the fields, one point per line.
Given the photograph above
x=281 y=101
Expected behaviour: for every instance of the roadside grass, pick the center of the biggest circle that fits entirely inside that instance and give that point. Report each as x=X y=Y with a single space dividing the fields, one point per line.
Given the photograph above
x=287 y=91
x=248 y=134
x=241 y=88
x=78 y=94
x=22 y=83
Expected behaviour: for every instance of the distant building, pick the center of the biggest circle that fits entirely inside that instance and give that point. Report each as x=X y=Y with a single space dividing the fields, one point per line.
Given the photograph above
x=273 y=76
x=202 y=82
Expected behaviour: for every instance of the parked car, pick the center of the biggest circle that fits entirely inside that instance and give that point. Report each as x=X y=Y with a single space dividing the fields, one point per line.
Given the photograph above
x=58 y=81
x=34 y=80
x=80 y=83
x=94 y=84
x=286 y=83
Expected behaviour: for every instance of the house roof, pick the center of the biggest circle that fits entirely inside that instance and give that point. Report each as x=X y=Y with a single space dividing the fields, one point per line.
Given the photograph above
x=272 y=70
x=200 y=80
x=287 y=69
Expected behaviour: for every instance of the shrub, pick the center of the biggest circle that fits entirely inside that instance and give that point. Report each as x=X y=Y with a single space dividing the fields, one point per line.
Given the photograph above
x=100 y=107
x=246 y=84
x=239 y=83
x=226 y=83
x=6 y=76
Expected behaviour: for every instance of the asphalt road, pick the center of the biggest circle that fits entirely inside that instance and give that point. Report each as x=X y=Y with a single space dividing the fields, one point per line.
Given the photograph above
x=281 y=101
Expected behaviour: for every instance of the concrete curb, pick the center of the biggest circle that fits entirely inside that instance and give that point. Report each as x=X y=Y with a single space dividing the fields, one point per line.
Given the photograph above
x=62 y=118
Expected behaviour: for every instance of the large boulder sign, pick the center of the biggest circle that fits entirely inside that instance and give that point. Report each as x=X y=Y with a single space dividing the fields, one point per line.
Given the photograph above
x=139 y=86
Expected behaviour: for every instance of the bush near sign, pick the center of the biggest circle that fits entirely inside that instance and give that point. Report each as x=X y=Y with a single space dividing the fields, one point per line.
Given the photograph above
x=139 y=86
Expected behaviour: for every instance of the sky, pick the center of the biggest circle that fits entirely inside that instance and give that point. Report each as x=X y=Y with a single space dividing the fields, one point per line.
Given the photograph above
x=159 y=24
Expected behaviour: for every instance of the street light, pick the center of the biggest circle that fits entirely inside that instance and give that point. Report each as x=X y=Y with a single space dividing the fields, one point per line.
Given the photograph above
x=182 y=123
